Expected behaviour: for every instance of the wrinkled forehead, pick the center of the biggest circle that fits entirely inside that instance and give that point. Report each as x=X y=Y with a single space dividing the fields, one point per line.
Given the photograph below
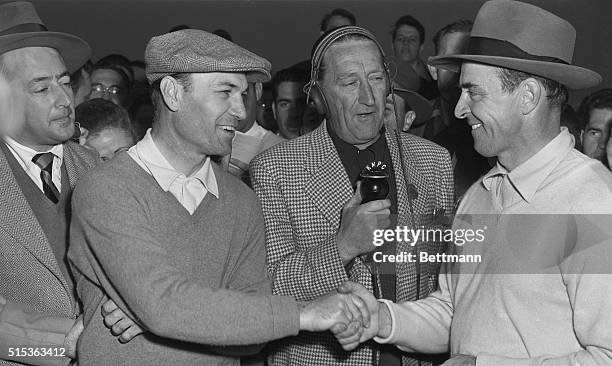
x=32 y=62
x=232 y=80
x=353 y=49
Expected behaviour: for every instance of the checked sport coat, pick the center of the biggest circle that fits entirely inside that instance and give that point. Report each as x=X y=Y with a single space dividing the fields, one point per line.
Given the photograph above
x=303 y=186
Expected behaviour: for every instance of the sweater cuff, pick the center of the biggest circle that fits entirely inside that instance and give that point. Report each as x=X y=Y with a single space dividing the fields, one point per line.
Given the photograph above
x=285 y=316
x=392 y=335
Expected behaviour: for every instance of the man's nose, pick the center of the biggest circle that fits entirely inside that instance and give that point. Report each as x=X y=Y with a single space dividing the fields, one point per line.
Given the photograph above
x=237 y=108
x=365 y=94
x=462 y=109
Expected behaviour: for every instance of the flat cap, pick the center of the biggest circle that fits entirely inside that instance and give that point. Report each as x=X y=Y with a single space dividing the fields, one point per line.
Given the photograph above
x=197 y=51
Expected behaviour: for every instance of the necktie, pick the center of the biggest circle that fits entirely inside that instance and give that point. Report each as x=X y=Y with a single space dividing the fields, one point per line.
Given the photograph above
x=45 y=163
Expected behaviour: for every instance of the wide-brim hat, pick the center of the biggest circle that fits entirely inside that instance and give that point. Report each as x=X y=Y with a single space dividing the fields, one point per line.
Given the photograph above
x=523 y=37
x=20 y=27
x=417 y=103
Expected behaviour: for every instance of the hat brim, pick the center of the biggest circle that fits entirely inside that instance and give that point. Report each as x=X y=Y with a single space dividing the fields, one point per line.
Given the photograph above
x=573 y=77
x=73 y=49
x=417 y=103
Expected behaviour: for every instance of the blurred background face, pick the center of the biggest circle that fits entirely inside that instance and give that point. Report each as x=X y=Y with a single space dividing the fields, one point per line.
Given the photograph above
x=597 y=133
x=110 y=141
x=406 y=44
x=289 y=108
x=110 y=85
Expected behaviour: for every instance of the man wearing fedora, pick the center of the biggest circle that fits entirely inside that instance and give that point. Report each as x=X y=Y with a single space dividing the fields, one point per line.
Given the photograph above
x=542 y=292
x=39 y=167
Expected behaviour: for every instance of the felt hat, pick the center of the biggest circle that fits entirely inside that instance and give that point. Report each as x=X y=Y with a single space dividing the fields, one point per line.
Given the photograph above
x=523 y=37
x=20 y=27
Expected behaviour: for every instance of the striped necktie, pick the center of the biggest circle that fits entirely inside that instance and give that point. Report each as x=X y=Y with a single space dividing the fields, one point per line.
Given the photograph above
x=45 y=163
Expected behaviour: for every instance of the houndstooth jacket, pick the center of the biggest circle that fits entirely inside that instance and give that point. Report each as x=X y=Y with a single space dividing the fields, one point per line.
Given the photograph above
x=30 y=277
x=303 y=186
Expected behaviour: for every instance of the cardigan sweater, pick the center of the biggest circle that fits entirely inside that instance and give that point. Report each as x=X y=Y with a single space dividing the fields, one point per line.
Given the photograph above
x=194 y=281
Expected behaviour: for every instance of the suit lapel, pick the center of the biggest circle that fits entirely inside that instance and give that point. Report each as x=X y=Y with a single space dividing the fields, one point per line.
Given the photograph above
x=409 y=175
x=71 y=165
x=328 y=185
x=19 y=221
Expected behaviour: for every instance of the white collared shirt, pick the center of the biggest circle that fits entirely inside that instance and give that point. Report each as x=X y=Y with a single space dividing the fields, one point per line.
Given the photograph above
x=24 y=156
x=189 y=191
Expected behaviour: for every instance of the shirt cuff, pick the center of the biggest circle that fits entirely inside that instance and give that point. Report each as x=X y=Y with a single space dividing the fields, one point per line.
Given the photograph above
x=391 y=336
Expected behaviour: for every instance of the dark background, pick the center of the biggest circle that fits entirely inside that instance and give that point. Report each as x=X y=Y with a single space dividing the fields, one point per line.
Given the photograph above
x=284 y=31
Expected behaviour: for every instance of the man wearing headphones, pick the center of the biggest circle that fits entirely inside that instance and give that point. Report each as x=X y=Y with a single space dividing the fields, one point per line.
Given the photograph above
x=319 y=231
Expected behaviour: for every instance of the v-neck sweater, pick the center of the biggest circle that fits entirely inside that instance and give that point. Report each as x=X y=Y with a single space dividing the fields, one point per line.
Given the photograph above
x=191 y=280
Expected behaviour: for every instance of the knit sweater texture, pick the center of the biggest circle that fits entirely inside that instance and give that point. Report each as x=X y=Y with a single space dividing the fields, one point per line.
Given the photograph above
x=197 y=282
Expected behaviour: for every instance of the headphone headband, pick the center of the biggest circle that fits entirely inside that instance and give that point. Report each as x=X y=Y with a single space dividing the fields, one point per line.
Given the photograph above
x=326 y=40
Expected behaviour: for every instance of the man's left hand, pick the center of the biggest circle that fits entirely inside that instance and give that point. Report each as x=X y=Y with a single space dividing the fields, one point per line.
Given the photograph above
x=119 y=323
x=461 y=360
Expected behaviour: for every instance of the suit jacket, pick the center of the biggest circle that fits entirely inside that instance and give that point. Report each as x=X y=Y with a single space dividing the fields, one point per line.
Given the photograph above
x=36 y=306
x=303 y=186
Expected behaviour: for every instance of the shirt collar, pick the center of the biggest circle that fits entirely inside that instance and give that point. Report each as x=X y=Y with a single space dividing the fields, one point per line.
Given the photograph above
x=529 y=176
x=164 y=173
x=26 y=154
x=255 y=131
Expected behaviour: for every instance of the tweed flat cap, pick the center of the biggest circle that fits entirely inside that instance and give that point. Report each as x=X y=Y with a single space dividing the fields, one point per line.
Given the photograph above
x=197 y=51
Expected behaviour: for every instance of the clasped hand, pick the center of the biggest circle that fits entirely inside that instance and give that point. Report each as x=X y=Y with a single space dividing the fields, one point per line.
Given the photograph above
x=351 y=314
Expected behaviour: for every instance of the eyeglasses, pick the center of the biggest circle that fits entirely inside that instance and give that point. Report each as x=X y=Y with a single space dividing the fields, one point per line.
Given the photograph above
x=101 y=89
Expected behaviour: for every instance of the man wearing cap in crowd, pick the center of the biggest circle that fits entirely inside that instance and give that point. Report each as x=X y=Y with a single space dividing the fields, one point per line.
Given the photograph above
x=177 y=242
x=39 y=166
x=542 y=293
x=319 y=233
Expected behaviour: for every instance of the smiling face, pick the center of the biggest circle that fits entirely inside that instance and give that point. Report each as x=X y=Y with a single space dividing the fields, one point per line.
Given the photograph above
x=210 y=111
x=37 y=99
x=492 y=113
x=355 y=87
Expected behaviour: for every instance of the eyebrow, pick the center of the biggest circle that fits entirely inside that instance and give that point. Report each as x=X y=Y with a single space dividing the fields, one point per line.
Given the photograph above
x=47 y=78
x=227 y=84
x=468 y=85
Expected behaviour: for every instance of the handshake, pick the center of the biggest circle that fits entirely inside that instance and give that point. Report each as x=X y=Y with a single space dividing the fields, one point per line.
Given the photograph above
x=351 y=313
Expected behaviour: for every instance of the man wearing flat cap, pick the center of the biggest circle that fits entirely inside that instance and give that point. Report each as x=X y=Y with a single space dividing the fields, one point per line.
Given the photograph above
x=39 y=166
x=541 y=293
x=174 y=240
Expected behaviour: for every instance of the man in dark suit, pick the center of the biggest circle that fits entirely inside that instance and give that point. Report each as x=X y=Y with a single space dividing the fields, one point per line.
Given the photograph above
x=318 y=232
x=39 y=166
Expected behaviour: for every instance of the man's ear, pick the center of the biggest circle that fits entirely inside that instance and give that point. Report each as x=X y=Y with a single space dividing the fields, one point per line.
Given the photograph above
x=582 y=137
x=532 y=94
x=171 y=92
x=258 y=91
x=433 y=71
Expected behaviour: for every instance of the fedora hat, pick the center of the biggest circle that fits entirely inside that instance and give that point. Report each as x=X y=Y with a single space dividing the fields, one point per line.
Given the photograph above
x=20 y=26
x=523 y=37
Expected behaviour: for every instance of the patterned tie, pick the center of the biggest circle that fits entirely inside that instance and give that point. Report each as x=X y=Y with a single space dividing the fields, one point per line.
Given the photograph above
x=45 y=163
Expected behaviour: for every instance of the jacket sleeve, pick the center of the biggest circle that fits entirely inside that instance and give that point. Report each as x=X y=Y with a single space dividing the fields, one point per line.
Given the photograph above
x=305 y=273
x=20 y=327
x=110 y=229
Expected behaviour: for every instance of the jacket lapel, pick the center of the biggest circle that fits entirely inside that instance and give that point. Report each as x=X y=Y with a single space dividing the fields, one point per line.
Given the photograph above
x=328 y=185
x=19 y=221
x=406 y=172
